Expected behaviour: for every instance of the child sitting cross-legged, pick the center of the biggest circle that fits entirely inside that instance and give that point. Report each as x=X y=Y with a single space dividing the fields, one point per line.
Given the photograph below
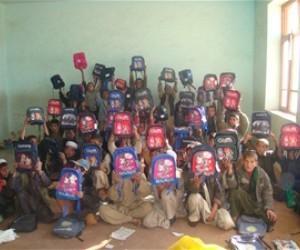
x=249 y=190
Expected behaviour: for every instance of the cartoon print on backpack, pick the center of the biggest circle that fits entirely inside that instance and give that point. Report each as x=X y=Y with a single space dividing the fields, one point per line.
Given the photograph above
x=125 y=162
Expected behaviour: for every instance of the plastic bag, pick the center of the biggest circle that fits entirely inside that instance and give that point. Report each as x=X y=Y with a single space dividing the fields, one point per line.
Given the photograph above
x=7 y=235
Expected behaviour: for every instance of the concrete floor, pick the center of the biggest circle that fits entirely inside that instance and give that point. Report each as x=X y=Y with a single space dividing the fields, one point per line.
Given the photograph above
x=96 y=237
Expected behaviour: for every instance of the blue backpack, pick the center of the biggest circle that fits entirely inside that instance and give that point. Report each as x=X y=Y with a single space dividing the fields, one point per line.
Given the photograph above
x=195 y=116
x=143 y=99
x=180 y=133
x=125 y=161
x=115 y=100
x=163 y=169
x=69 y=185
x=26 y=156
x=93 y=154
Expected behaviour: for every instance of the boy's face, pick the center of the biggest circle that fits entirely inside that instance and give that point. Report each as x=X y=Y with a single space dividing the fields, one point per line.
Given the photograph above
x=90 y=87
x=249 y=164
x=69 y=152
x=97 y=142
x=233 y=121
x=70 y=134
x=261 y=148
x=54 y=128
x=4 y=171
x=139 y=84
x=211 y=112
x=291 y=154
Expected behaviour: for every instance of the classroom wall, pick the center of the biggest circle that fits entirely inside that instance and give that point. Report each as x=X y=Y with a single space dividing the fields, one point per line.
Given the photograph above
x=41 y=37
x=3 y=83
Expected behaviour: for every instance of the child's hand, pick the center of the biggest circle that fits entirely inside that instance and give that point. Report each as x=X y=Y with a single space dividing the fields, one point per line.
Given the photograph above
x=227 y=163
x=211 y=217
x=116 y=177
x=3 y=183
x=137 y=177
x=103 y=168
x=271 y=215
x=80 y=194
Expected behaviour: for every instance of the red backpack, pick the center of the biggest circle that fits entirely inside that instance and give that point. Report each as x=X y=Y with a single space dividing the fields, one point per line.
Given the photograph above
x=123 y=124
x=232 y=99
x=54 y=107
x=121 y=84
x=203 y=160
x=210 y=82
x=195 y=116
x=227 y=79
x=87 y=123
x=79 y=60
x=156 y=137
x=290 y=136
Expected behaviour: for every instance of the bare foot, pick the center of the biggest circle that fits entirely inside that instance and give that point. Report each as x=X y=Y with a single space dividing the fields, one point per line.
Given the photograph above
x=136 y=221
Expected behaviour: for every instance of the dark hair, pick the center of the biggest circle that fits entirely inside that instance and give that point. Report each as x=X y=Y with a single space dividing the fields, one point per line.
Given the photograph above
x=54 y=121
x=3 y=164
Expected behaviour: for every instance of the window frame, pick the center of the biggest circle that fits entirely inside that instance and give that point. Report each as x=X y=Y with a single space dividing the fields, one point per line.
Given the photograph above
x=286 y=84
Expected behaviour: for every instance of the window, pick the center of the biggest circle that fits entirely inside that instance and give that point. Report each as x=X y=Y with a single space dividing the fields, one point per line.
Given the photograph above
x=290 y=56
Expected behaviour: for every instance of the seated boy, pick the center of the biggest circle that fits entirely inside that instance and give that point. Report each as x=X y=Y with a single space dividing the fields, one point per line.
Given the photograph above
x=266 y=157
x=168 y=201
x=7 y=194
x=127 y=195
x=32 y=192
x=205 y=201
x=249 y=190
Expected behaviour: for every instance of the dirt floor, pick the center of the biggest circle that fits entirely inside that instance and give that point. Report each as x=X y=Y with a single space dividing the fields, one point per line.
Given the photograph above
x=98 y=236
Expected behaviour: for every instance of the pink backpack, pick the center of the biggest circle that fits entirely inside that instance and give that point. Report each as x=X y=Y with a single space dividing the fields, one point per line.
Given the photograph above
x=232 y=99
x=79 y=60
x=123 y=124
x=156 y=137
x=54 y=107
x=290 y=136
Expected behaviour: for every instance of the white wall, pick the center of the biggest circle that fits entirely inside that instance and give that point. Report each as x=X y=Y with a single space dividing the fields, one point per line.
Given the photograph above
x=207 y=37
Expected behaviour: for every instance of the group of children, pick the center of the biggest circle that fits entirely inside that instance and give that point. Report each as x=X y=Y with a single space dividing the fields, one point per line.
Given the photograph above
x=242 y=187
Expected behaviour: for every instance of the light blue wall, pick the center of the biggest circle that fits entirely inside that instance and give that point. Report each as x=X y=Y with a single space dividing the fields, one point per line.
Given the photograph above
x=3 y=76
x=205 y=36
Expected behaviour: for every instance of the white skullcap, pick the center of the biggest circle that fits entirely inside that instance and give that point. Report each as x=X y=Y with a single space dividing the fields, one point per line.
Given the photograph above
x=3 y=161
x=71 y=144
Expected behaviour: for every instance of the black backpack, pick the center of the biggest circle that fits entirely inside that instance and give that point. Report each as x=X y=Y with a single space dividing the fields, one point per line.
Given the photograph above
x=261 y=124
x=160 y=113
x=57 y=82
x=77 y=92
x=24 y=223
x=227 y=145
